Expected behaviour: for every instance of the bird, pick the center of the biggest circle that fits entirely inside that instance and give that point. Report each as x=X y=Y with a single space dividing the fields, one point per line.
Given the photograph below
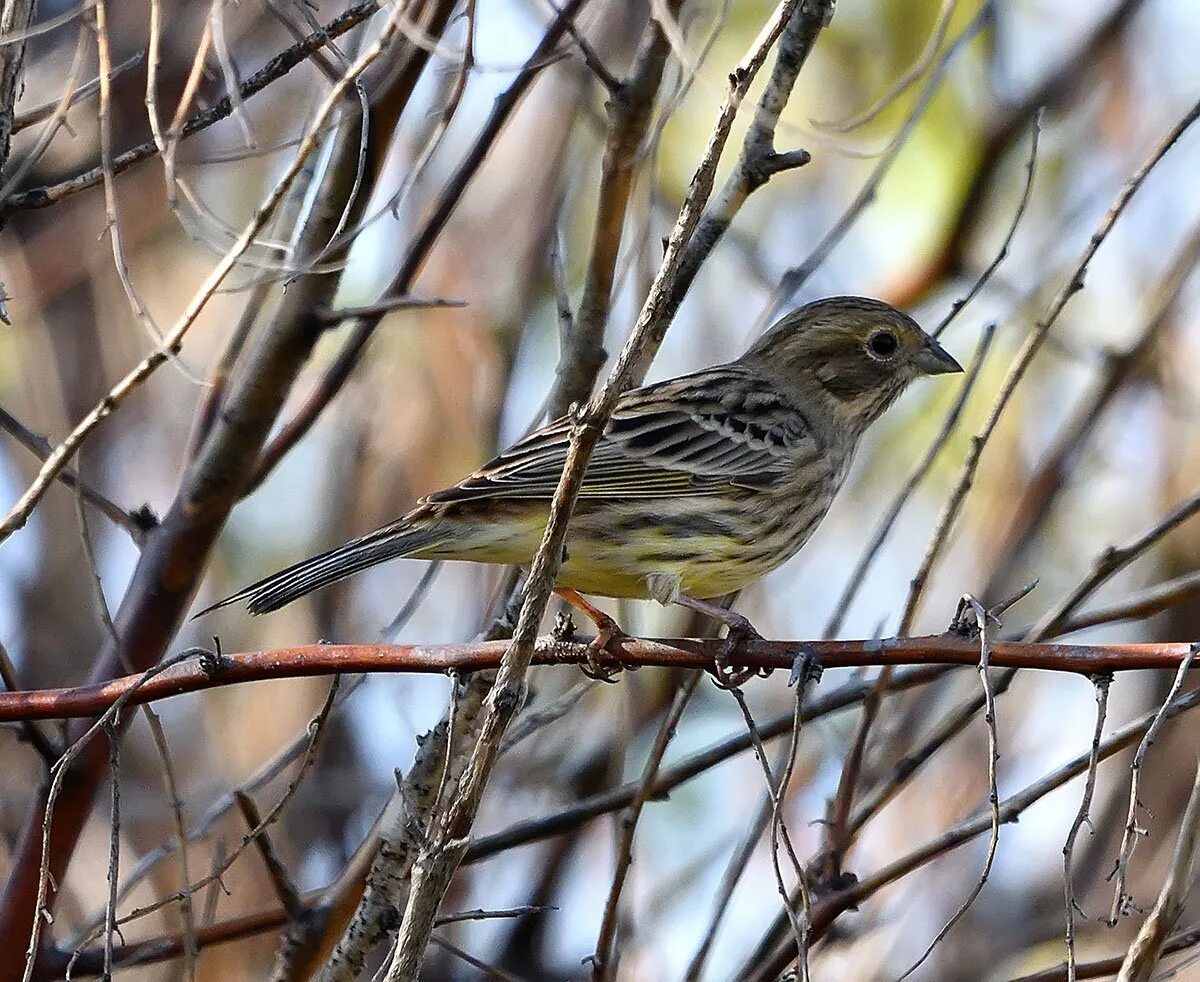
x=699 y=485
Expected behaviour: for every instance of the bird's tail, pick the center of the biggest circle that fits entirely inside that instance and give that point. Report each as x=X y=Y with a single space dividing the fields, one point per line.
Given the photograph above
x=280 y=589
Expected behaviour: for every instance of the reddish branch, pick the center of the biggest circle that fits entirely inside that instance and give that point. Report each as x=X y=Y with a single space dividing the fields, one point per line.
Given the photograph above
x=328 y=659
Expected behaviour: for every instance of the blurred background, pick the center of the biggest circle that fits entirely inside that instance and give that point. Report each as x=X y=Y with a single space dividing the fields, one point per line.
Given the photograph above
x=1100 y=441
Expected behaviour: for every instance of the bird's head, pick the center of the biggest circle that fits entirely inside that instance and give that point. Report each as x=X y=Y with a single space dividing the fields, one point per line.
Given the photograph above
x=852 y=354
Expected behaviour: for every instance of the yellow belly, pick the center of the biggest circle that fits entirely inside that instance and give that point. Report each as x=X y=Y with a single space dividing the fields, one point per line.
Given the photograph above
x=604 y=560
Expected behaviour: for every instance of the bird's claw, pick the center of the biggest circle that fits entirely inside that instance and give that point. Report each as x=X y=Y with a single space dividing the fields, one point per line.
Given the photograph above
x=724 y=674
x=598 y=647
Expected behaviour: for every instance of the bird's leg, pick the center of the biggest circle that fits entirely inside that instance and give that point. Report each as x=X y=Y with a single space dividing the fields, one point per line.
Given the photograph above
x=740 y=630
x=607 y=631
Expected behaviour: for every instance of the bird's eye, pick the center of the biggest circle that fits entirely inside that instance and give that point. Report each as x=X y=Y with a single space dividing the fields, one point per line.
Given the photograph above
x=883 y=344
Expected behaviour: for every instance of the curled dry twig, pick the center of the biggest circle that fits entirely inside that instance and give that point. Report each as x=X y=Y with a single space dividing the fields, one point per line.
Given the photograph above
x=1102 y=684
x=1122 y=901
x=989 y=718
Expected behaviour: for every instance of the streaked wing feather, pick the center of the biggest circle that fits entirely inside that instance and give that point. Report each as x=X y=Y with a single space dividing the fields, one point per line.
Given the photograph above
x=700 y=434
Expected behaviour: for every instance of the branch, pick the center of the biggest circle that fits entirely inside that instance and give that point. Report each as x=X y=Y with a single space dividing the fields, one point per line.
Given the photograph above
x=692 y=653
x=15 y=17
x=1146 y=949
x=630 y=109
x=759 y=161
x=272 y=71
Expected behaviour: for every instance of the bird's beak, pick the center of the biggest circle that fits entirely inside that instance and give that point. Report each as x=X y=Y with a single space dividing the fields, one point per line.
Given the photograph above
x=933 y=359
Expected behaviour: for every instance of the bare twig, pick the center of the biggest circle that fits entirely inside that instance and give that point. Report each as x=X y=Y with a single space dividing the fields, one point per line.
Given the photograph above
x=744 y=739
x=114 y=846
x=904 y=82
x=136 y=523
x=386 y=305
x=527 y=724
x=1002 y=253
x=363 y=327
x=1110 y=561
x=989 y=718
x=285 y=889
x=759 y=161
x=400 y=831
x=1102 y=684
x=1043 y=488
x=630 y=110
x=828 y=908
x=1144 y=603
x=58 y=776
x=604 y=962
x=39 y=114
x=1104 y=967
x=1133 y=831
x=316 y=729
x=735 y=868
x=173 y=339
x=187 y=914
x=1147 y=947
x=274 y=70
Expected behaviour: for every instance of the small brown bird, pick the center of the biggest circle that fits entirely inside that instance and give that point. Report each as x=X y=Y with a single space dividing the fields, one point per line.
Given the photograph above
x=700 y=485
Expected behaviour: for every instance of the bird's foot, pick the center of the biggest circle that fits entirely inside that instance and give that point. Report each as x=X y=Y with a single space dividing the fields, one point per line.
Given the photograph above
x=740 y=630
x=598 y=648
x=608 y=636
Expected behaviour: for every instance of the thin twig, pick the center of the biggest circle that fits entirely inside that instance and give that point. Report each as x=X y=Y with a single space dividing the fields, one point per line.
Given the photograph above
x=1122 y=901
x=112 y=216
x=903 y=83
x=1145 y=603
x=1104 y=967
x=316 y=728
x=187 y=914
x=989 y=719
x=136 y=523
x=734 y=870
x=525 y=725
x=1147 y=947
x=1102 y=684
x=803 y=672
x=604 y=962
x=989 y=271
x=386 y=305
x=39 y=114
x=828 y=908
x=275 y=69
x=285 y=889
x=1042 y=490
x=1112 y=560
x=58 y=776
x=112 y=876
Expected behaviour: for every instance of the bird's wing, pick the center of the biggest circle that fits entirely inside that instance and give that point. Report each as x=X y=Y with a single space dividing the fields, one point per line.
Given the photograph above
x=701 y=434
